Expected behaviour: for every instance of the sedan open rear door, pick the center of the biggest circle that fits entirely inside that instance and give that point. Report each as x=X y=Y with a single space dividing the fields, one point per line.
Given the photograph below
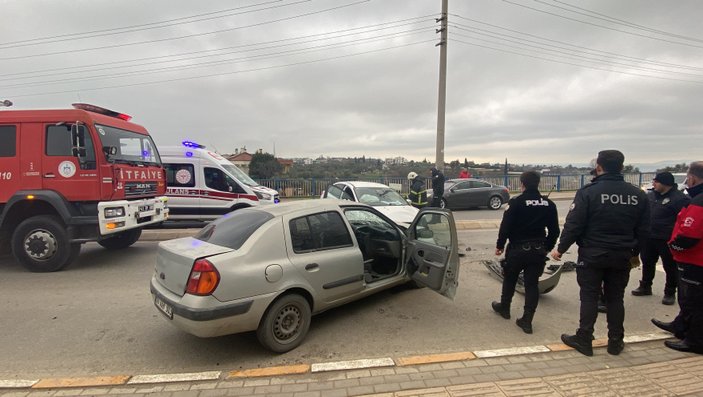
x=432 y=257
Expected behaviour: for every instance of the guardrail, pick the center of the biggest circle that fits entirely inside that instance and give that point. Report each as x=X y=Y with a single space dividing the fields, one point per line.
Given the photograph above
x=301 y=188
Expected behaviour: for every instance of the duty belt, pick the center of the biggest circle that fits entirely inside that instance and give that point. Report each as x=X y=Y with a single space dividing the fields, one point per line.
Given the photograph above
x=530 y=245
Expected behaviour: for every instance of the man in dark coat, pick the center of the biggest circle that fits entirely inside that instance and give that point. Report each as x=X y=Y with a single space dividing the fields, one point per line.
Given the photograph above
x=437 y=187
x=531 y=225
x=608 y=219
x=665 y=202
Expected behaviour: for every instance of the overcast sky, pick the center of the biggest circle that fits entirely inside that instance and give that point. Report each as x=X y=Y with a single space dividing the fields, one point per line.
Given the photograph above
x=536 y=81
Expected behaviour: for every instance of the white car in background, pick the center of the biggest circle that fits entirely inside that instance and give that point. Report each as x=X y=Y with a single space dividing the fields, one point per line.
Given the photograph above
x=386 y=200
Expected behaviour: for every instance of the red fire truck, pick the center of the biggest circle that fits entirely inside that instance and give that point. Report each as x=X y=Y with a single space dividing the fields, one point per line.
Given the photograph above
x=71 y=176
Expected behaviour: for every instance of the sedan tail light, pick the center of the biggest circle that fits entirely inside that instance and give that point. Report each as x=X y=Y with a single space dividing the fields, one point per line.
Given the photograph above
x=203 y=278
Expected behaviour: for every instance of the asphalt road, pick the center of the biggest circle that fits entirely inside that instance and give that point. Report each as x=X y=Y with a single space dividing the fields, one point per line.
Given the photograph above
x=97 y=318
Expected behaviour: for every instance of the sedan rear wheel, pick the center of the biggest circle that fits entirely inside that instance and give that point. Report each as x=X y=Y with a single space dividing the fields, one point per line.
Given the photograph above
x=443 y=204
x=285 y=324
x=495 y=202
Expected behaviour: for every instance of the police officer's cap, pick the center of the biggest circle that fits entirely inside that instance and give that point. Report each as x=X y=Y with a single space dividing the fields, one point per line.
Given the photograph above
x=665 y=178
x=611 y=160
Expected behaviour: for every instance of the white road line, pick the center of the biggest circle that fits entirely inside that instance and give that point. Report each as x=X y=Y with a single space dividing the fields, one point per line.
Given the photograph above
x=647 y=337
x=165 y=378
x=353 y=364
x=17 y=383
x=511 y=351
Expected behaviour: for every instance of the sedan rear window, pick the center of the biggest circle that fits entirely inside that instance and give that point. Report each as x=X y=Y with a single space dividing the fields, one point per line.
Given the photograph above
x=233 y=229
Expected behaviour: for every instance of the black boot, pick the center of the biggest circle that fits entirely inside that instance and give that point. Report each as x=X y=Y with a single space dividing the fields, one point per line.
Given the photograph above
x=668 y=299
x=615 y=346
x=583 y=346
x=642 y=290
x=503 y=310
x=525 y=322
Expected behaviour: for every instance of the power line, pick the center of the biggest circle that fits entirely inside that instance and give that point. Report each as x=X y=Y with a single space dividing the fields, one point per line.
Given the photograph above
x=601 y=26
x=608 y=18
x=579 y=54
x=225 y=61
x=226 y=73
x=190 y=35
x=659 y=63
x=576 y=64
x=578 y=57
x=135 y=28
x=274 y=44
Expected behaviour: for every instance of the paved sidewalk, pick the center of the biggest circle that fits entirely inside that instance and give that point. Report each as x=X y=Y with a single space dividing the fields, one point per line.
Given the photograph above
x=643 y=369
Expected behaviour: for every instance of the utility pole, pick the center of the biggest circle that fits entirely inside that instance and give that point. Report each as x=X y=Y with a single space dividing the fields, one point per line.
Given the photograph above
x=442 y=97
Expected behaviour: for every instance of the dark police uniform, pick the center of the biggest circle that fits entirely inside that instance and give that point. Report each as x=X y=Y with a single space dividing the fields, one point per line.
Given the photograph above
x=524 y=223
x=663 y=211
x=608 y=219
x=437 y=187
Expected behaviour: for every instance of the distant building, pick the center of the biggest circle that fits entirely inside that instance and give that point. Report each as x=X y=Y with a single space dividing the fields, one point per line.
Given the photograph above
x=396 y=161
x=285 y=164
x=240 y=158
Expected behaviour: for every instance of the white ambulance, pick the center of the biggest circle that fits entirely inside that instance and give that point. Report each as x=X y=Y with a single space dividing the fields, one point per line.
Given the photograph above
x=203 y=185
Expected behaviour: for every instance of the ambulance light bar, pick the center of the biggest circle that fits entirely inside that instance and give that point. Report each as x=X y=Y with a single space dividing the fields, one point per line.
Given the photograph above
x=191 y=144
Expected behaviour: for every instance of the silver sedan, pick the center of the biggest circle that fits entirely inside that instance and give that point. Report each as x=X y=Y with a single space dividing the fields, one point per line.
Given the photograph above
x=270 y=268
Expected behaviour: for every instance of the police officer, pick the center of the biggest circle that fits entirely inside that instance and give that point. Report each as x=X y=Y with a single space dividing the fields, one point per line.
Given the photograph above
x=665 y=202
x=524 y=224
x=608 y=219
x=418 y=191
x=437 y=186
x=686 y=244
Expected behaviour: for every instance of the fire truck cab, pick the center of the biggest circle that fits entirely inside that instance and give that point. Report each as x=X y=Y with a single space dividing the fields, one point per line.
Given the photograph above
x=75 y=175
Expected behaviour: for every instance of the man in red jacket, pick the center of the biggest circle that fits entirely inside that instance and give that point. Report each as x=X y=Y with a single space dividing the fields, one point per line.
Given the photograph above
x=686 y=245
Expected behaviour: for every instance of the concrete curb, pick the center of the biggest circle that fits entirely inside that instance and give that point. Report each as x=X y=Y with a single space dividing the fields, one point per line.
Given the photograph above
x=303 y=369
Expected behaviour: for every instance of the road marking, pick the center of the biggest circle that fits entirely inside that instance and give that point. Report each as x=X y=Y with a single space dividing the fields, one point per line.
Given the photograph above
x=52 y=383
x=647 y=337
x=183 y=377
x=434 y=358
x=271 y=371
x=353 y=364
x=17 y=383
x=511 y=351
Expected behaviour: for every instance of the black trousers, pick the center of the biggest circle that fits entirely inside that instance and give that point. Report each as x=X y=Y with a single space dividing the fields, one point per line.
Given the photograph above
x=688 y=325
x=651 y=252
x=527 y=258
x=611 y=270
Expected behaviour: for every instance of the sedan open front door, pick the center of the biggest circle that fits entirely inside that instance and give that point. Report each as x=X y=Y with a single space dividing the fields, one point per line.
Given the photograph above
x=432 y=257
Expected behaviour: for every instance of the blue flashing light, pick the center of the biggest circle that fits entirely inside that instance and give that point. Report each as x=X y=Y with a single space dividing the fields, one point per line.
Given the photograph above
x=189 y=154
x=146 y=154
x=192 y=144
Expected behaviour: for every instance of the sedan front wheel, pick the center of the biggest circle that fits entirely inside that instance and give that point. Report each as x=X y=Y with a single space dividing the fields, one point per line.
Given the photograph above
x=285 y=323
x=495 y=202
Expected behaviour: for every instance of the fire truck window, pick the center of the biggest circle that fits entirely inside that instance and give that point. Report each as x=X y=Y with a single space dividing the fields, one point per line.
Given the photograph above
x=8 y=136
x=59 y=143
x=58 y=140
x=180 y=175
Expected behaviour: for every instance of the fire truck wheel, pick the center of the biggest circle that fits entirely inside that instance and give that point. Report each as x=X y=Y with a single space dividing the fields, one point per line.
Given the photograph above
x=121 y=240
x=41 y=244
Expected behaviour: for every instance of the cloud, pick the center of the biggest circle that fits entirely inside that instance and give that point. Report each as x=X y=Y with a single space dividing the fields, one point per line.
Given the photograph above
x=375 y=98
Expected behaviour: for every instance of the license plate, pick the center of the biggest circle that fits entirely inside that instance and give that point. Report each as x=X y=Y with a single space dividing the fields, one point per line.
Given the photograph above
x=145 y=208
x=147 y=213
x=164 y=307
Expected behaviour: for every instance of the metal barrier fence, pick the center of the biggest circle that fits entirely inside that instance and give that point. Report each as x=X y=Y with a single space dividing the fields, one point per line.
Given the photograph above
x=302 y=188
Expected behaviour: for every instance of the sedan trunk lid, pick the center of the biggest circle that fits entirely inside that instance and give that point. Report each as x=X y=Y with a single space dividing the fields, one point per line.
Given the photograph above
x=175 y=258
